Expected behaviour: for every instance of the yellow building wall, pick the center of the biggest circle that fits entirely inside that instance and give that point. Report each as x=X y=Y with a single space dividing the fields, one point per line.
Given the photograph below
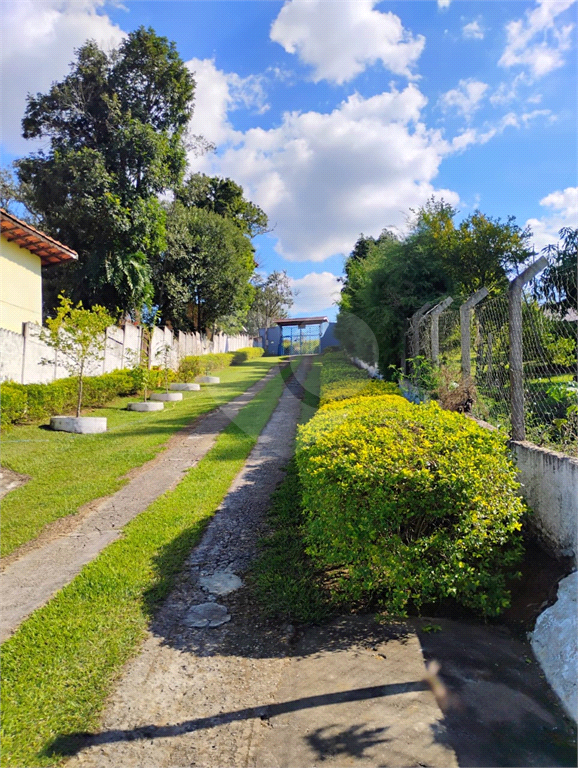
x=20 y=287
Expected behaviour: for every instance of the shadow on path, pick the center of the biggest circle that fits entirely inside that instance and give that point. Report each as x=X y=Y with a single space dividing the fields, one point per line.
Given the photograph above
x=69 y=745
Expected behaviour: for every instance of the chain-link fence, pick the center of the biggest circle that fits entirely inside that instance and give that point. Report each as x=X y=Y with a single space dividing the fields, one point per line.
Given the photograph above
x=510 y=359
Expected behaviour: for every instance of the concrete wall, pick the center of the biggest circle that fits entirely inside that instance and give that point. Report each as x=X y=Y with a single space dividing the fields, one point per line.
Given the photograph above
x=20 y=287
x=550 y=487
x=329 y=339
x=27 y=360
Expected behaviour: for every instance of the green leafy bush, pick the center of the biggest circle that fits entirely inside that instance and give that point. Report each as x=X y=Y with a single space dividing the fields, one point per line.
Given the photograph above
x=189 y=369
x=196 y=365
x=409 y=504
x=216 y=360
x=13 y=404
x=340 y=379
x=33 y=402
x=247 y=353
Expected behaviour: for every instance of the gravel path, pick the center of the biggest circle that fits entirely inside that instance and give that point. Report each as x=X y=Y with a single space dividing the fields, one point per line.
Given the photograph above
x=29 y=581
x=185 y=673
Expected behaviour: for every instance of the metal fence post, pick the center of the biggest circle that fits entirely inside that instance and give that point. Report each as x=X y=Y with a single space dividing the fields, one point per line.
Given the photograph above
x=516 y=347
x=465 y=316
x=435 y=327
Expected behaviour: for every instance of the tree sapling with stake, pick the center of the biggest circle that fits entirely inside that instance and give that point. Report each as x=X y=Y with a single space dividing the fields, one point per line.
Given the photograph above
x=78 y=335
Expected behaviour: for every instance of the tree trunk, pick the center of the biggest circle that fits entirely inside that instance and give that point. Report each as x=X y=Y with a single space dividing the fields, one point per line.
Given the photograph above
x=79 y=400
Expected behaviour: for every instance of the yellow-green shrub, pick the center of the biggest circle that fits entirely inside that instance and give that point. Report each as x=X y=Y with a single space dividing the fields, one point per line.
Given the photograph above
x=189 y=368
x=340 y=379
x=247 y=353
x=194 y=365
x=216 y=360
x=409 y=503
x=32 y=402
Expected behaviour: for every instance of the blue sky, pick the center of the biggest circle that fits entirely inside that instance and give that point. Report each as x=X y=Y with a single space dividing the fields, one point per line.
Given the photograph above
x=339 y=116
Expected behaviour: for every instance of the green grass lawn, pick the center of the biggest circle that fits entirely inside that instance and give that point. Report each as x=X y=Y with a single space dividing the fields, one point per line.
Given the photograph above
x=283 y=577
x=62 y=662
x=69 y=470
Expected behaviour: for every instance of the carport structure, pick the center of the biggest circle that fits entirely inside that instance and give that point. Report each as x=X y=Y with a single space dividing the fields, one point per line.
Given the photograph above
x=300 y=335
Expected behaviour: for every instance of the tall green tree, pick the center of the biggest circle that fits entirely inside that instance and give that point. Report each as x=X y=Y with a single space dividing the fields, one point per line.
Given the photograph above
x=225 y=197
x=558 y=284
x=116 y=127
x=203 y=273
x=273 y=298
x=388 y=279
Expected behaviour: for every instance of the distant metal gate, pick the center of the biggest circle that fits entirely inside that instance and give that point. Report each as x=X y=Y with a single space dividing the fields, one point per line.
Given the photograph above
x=303 y=340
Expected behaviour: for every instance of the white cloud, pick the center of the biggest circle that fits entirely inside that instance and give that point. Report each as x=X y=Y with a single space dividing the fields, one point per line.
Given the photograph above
x=340 y=39
x=508 y=92
x=511 y=120
x=443 y=4
x=527 y=116
x=537 y=42
x=466 y=98
x=217 y=93
x=324 y=178
x=564 y=213
x=39 y=49
x=473 y=31
x=316 y=292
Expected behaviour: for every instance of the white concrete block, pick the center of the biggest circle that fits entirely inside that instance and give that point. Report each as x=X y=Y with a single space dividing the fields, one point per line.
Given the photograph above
x=82 y=425
x=146 y=407
x=181 y=387
x=209 y=379
x=555 y=643
x=167 y=397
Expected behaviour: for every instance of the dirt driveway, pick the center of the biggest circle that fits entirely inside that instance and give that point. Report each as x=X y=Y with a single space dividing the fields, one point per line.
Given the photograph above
x=249 y=691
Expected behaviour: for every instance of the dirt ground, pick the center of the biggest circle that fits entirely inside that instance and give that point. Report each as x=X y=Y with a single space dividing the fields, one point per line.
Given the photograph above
x=354 y=692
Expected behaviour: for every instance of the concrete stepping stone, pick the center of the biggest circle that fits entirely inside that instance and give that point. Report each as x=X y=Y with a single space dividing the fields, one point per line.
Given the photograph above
x=184 y=387
x=167 y=397
x=145 y=407
x=220 y=583
x=206 y=615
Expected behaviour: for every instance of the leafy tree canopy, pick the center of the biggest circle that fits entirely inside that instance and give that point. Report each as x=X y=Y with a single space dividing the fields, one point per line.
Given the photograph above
x=558 y=284
x=388 y=279
x=273 y=297
x=225 y=197
x=203 y=273
x=116 y=126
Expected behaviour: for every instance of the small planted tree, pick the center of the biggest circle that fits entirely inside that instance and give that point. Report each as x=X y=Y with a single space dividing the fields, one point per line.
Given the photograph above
x=165 y=354
x=78 y=335
x=142 y=374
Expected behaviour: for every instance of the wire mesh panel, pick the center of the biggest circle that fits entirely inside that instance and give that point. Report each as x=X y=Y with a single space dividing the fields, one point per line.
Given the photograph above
x=546 y=369
x=491 y=347
x=449 y=338
x=423 y=331
x=550 y=370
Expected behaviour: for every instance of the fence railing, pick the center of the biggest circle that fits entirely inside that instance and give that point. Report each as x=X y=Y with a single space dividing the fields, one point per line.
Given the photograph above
x=510 y=359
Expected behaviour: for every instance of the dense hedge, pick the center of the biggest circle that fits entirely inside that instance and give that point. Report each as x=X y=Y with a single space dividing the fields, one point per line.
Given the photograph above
x=32 y=402
x=194 y=365
x=409 y=504
x=247 y=353
x=340 y=379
